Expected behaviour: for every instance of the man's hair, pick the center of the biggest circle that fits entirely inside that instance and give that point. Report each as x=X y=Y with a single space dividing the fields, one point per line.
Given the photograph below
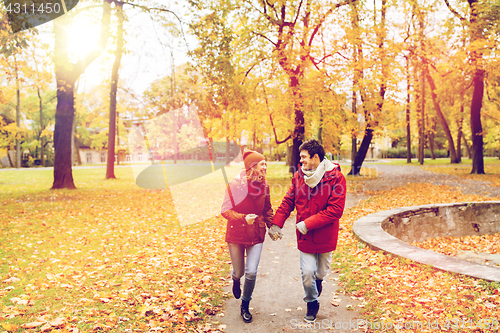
x=313 y=147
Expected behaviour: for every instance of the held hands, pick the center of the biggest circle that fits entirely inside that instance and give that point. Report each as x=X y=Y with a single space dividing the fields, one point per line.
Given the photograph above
x=302 y=228
x=275 y=232
x=250 y=218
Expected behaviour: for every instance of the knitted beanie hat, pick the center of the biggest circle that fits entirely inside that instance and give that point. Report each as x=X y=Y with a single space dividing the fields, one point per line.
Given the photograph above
x=251 y=158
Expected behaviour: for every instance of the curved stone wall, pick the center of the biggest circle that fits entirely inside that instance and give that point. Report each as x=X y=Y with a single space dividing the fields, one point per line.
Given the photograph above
x=390 y=231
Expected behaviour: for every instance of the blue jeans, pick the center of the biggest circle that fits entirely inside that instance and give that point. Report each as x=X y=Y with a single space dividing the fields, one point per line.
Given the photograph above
x=314 y=266
x=237 y=253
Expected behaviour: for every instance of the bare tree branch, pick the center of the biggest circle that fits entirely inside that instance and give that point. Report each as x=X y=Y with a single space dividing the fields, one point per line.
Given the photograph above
x=149 y=9
x=265 y=37
x=318 y=26
x=272 y=123
x=460 y=17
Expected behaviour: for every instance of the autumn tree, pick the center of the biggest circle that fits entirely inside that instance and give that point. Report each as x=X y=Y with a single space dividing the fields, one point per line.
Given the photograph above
x=13 y=62
x=67 y=72
x=481 y=24
x=166 y=97
x=40 y=80
x=110 y=171
x=214 y=58
x=373 y=93
x=151 y=8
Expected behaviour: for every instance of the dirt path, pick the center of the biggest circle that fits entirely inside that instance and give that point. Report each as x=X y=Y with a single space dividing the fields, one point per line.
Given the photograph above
x=277 y=304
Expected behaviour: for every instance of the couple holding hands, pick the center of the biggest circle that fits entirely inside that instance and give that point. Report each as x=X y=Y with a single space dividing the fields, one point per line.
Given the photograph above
x=317 y=192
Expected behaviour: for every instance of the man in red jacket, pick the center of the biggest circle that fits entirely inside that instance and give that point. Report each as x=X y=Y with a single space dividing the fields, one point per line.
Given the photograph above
x=318 y=193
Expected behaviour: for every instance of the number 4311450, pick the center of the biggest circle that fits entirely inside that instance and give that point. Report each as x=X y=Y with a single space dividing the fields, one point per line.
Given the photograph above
x=26 y=8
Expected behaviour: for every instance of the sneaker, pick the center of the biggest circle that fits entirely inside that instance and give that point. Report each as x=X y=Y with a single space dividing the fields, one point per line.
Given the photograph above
x=319 y=286
x=245 y=312
x=236 y=288
x=312 y=311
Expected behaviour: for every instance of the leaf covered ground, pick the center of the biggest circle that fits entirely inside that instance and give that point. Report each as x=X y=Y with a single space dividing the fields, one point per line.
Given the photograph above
x=106 y=257
x=452 y=246
x=400 y=292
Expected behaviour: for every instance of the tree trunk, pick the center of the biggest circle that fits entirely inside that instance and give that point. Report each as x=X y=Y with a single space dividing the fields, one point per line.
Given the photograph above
x=354 y=140
x=73 y=143
x=77 y=151
x=459 y=144
x=408 y=94
x=18 y=117
x=66 y=75
x=320 y=129
x=421 y=147
x=467 y=147
x=478 y=92
x=475 y=123
x=418 y=105
x=363 y=149
x=431 y=137
x=110 y=165
x=65 y=112
x=42 y=158
x=117 y=138
x=298 y=132
x=10 y=159
x=358 y=73
x=444 y=123
x=460 y=122
x=419 y=69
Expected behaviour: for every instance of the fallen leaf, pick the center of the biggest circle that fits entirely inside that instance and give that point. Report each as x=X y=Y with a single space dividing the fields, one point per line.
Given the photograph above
x=33 y=324
x=9 y=327
x=45 y=328
x=58 y=322
x=12 y=280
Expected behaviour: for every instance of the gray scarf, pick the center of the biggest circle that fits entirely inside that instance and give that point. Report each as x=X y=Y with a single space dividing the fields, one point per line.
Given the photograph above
x=312 y=177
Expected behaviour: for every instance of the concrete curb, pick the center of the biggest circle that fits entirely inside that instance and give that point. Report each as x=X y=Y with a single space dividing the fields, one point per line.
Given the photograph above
x=369 y=230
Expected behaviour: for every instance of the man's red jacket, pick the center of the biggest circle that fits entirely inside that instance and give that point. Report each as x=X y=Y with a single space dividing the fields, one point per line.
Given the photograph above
x=320 y=208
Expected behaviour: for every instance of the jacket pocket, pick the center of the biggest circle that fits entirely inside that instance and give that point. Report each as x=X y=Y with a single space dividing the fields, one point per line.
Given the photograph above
x=323 y=235
x=236 y=232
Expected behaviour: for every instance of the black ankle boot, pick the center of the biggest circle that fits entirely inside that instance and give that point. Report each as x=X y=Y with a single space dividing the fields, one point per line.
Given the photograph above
x=236 y=288
x=319 y=286
x=312 y=311
x=245 y=313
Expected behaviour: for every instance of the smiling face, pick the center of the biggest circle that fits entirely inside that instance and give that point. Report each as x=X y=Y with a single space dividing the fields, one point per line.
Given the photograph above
x=308 y=162
x=260 y=169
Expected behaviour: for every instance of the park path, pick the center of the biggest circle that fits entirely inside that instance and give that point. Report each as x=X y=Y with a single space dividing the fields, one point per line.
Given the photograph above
x=391 y=176
x=277 y=304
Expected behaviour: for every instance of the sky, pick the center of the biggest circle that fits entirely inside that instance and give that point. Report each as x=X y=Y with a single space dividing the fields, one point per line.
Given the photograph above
x=149 y=46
